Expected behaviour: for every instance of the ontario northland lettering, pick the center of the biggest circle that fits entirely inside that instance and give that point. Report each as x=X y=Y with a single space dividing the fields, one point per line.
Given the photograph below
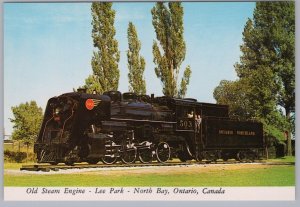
x=231 y=132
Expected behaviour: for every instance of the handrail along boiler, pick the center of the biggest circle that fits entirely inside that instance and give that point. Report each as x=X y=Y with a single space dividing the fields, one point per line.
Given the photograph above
x=81 y=127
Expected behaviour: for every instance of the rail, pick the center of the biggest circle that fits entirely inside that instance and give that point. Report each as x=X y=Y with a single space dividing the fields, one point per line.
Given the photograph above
x=48 y=167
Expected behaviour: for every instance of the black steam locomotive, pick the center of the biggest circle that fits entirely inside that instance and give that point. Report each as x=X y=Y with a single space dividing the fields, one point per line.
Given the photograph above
x=81 y=127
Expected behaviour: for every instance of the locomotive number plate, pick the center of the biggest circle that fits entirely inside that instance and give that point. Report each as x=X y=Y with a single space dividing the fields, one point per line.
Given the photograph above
x=185 y=124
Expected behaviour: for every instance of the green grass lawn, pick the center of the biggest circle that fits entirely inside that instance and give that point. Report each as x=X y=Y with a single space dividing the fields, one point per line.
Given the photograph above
x=15 y=166
x=283 y=159
x=269 y=176
x=274 y=175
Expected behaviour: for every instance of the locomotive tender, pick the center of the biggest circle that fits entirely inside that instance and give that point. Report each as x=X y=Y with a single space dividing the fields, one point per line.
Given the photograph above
x=81 y=127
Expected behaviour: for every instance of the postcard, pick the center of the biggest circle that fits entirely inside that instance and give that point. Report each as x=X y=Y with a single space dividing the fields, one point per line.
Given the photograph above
x=149 y=101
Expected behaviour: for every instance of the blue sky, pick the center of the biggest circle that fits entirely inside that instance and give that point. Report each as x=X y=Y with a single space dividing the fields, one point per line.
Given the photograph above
x=48 y=47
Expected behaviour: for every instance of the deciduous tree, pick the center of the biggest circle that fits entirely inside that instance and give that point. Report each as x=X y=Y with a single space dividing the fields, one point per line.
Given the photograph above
x=233 y=93
x=267 y=67
x=269 y=58
x=106 y=57
x=169 y=49
x=26 y=122
x=136 y=63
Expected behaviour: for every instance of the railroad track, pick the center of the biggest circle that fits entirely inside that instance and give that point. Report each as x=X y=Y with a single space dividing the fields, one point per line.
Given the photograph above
x=48 y=167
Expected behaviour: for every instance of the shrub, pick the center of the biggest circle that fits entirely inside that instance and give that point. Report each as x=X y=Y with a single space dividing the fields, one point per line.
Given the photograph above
x=12 y=156
x=20 y=156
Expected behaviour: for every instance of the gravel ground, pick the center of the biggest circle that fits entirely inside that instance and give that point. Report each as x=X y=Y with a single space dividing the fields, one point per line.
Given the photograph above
x=143 y=170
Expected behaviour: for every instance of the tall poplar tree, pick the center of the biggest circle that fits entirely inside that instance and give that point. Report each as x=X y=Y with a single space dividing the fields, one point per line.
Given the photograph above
x=169 y=50
x=106 y=57
x=136 y=63
x=267 y=65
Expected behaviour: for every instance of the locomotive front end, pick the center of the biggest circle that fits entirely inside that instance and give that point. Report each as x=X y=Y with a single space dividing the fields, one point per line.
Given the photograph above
x=68 y=128
x=55 y=134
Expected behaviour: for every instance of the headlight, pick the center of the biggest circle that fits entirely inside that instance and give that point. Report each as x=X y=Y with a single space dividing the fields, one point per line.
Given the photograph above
x=57 y=110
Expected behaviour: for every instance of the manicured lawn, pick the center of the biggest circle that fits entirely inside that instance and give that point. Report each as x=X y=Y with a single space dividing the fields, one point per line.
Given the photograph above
x=283 y=159
x=15 y=166
x=266 y=176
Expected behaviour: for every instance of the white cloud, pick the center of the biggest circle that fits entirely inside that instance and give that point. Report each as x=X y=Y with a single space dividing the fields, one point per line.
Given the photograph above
x=45 y=13
x=123 y=15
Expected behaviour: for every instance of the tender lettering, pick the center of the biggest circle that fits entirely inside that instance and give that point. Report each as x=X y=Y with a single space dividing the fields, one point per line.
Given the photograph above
x=239 y=132
x=245 y=133
x=226 y=132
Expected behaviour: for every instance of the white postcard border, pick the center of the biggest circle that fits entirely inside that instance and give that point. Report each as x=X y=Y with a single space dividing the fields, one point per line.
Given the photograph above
x=149 y=193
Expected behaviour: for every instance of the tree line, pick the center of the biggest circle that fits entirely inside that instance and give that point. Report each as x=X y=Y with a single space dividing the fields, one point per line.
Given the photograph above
x=264 y=90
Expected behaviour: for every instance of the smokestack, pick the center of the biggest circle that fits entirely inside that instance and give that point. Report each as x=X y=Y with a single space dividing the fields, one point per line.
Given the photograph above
x=81 y=90
x=152 y=96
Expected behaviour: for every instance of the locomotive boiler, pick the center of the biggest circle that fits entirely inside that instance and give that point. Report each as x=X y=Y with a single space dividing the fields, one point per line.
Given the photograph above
x=81 y=127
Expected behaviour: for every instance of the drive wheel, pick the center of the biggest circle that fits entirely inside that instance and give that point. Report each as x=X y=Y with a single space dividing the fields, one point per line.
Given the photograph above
x=71 y=163
x=93 y=161
x=225 y=159
x=199 y=157
x=241 y=156
x=109 y=160
x=181 y=156
x=54 y=163
x=252 y=156
x=145 y=155
x=163 y=152
x=210 y=156
x=129 y=155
